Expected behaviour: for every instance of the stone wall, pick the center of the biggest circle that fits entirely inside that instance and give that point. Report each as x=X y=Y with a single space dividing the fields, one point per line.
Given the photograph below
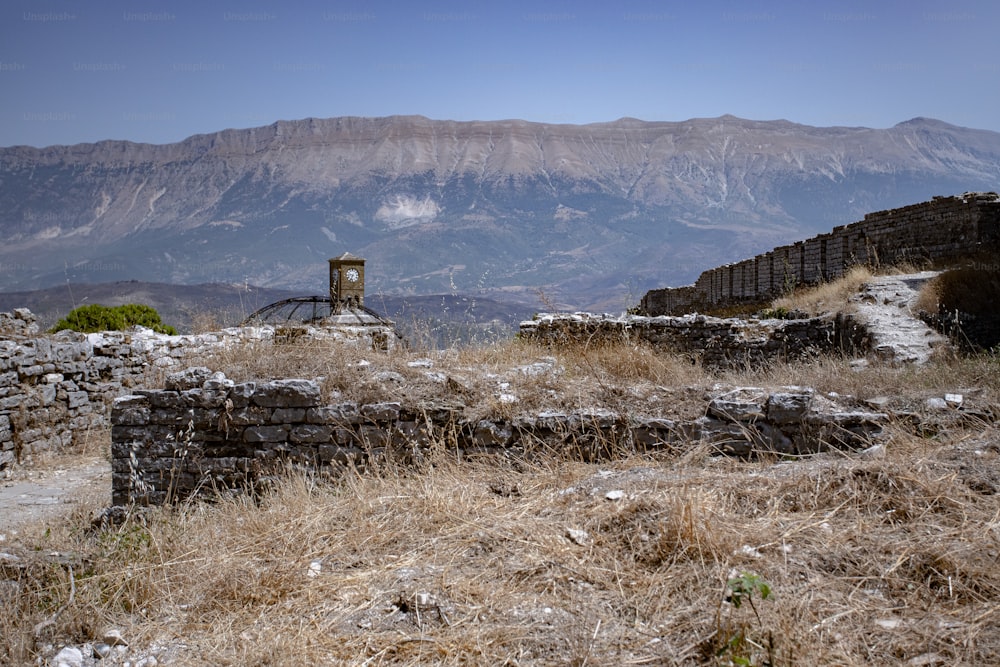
x=943 y=230
x=54 y=389
x=715 y=342
x=204 y=433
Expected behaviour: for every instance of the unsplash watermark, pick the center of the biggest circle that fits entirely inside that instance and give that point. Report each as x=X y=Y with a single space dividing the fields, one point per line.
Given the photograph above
x=99 y=267
x=298 y=67
x=199 y=67
x=452 y=17
x=148 y=116
x=15 y=267
x=48 y=116
x=949 y=17
x=99 y=67
x=52 y=218
x=148 y=17
x=549 y=17
x=648 y=17
x=348 y=17
x=986 y=267
x=47 y=17
x=849 y=17
x=249 y=17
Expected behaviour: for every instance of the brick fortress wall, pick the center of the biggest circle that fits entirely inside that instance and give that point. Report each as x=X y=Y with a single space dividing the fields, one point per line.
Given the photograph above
x=943 y=230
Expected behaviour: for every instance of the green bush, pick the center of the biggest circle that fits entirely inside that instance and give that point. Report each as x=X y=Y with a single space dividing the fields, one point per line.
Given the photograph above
x=95 y=317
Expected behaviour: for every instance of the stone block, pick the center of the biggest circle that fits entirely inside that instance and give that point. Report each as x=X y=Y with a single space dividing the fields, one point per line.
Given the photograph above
x=240 y=394
x=343 y=413
x=288 y=415
x=265 y=433
x=131 y=401
x=76 y=399
x=133 y=416
x=36 y=432
x=789 y=407
x=189 y=378
x=381 y=412
x=168 y=417
x=205 y=398
x=248 y=416
x=345 y=436
x=732 y=439
x=311 y=433
x=557 y=422
x=167 y=400
x=742 y=405
x=287 y=394
x=47 y=394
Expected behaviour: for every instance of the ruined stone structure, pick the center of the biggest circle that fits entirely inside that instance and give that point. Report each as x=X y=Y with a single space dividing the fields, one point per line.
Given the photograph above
x=54 y=389
x=715 y=342
x=943 y=230
x=205 y=433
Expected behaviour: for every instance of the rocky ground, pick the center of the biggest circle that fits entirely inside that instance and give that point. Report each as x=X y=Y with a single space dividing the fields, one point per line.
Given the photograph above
x=915 y=505
x=886 y=304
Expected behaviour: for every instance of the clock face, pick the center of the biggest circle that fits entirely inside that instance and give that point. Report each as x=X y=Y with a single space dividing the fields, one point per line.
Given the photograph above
x=352 y=275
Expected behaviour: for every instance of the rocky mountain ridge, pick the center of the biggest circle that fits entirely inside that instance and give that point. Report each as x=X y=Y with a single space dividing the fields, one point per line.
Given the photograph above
x=590 y=215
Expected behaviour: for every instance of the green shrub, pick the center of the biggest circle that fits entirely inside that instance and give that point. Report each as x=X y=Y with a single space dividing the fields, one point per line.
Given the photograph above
x=95 y=317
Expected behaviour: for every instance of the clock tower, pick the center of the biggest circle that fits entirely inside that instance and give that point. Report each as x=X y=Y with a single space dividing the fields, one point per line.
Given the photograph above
x=347 y=283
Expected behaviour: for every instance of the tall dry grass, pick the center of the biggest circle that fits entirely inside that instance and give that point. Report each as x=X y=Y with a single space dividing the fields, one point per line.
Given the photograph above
x=869 y=561
x=888 y=558
x=827 y=297
x=625 y=375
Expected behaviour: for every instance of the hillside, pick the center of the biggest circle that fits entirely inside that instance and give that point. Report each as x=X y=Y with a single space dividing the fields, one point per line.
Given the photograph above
x=591 y=215
x=432 y=320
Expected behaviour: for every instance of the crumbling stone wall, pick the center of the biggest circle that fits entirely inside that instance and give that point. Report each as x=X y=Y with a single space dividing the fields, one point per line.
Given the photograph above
x=205 y=434
x=715 y=342
x=54 y=389
x=945 y=229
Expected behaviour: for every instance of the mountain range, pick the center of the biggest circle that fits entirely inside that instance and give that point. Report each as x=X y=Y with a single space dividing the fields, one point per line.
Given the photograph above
x=574 y=216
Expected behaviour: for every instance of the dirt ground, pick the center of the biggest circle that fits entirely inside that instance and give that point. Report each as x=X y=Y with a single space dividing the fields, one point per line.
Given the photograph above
x=48 y=490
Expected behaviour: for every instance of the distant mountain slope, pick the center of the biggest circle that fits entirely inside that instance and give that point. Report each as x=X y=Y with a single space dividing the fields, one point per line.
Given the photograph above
x=434 y=320
x=591 y=215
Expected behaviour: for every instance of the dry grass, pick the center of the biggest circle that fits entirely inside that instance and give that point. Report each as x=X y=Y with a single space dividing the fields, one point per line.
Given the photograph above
x=541 y=377
x=625 y=376
x=826 y=297
x=870 y=562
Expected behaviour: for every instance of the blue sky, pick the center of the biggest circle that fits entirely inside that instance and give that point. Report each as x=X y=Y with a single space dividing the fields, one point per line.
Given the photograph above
x=81 y=70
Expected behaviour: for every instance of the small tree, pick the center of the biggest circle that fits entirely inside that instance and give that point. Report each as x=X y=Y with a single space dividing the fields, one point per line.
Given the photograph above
x=95 y=317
